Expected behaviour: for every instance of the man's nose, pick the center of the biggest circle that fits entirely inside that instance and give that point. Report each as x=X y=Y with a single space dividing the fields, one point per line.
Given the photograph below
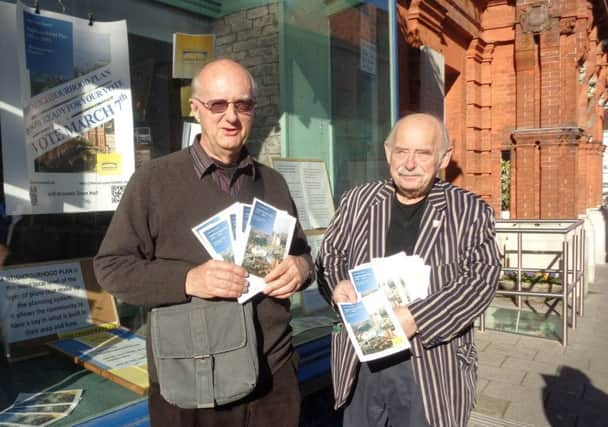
x=231 y=114
x=410 y=161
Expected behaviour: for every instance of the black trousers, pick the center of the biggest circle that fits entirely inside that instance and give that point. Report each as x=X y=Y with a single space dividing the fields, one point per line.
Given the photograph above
x=386 y=395
x=275 y=402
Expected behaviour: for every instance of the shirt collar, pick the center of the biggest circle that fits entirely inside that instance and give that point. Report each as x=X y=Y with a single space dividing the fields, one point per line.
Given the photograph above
x=204 y=164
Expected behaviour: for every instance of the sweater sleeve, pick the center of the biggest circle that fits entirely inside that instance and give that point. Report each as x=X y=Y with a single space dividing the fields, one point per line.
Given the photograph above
x=126 y=264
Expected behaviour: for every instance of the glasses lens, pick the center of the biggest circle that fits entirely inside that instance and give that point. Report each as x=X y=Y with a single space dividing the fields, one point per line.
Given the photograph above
x=245 y=106
x=218 y=106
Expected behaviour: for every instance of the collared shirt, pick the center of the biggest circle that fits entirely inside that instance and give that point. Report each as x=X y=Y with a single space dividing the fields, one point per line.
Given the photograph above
x=227 y=182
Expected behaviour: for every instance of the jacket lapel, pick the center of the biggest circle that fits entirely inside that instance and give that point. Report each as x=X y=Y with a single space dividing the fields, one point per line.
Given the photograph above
x=379 y=220
x=431 y=223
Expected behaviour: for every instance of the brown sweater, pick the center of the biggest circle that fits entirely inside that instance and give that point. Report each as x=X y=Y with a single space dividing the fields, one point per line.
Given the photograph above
x=149 y=246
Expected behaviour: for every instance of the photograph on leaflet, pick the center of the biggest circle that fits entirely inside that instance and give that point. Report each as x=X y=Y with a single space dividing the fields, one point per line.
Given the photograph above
x=268 y=238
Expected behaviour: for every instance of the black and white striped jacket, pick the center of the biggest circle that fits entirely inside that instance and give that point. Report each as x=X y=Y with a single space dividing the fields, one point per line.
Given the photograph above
x=457 y=239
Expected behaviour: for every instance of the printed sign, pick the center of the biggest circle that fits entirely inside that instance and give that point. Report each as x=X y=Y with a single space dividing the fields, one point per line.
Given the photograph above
x=71 y=147
x=42 y=300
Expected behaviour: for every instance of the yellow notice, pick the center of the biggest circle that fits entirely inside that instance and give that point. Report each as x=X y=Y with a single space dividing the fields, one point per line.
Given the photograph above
x=109 y=164
x=191 y=52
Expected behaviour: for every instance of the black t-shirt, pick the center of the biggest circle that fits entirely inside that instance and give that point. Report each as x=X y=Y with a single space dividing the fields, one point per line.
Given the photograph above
x=404 y=226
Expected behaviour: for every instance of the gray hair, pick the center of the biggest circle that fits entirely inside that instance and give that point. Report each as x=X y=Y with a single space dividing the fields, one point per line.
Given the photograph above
x=442 y=132
x=195 y=85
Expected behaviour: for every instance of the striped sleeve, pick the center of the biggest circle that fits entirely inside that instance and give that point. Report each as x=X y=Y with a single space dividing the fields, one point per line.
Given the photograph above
x=467 y=286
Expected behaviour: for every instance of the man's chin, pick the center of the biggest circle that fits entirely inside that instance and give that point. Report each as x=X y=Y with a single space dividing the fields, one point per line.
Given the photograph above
x=413 y=192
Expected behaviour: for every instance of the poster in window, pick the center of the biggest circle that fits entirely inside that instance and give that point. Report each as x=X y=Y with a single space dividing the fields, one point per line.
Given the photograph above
x=71 y=146
x=190 y=53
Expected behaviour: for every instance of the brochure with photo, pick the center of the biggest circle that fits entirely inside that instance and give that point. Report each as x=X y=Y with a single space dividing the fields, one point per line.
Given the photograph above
x=381 y=286
x=268 y=238
x=373 y=327
x=256 y=236
x=218 y=234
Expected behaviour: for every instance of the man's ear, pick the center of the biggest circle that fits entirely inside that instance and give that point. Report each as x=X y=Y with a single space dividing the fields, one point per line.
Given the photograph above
x=387 y=152
x=445 y=160
x=193 y=109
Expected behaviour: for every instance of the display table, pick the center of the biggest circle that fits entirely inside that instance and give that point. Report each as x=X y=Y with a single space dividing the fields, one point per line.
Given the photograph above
x=56 y=372
x=105 y=403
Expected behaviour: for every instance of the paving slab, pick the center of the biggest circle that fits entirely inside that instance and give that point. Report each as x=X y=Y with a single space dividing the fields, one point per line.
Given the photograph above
x=538 y=382
x=491 y=405
x=513 y=376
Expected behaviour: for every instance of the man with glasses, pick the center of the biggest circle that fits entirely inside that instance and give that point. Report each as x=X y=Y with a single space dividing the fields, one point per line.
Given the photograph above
x=150 y=256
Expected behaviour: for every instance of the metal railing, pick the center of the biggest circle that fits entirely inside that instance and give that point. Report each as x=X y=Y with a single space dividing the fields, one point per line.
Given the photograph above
x=563 y=257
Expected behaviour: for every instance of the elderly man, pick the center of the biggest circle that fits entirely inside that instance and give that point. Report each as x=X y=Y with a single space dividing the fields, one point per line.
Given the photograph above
x=453 y=231
x=150 y=257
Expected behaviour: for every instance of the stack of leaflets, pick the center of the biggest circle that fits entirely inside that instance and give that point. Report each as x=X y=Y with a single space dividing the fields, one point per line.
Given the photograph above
x=381 y=286
x=40 y=409
x=256 y=236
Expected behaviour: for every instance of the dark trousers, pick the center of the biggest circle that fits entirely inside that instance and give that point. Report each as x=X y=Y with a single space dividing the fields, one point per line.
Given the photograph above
x=275 y=402
x=386 y=395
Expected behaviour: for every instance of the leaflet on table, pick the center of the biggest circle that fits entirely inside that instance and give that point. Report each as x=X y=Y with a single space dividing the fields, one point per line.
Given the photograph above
x=260 y=242
x=40 y=409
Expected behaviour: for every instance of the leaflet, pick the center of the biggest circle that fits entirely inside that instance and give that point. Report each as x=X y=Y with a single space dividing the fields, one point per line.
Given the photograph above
x=373 y=328
x=404 y=279
x=256 y=236
x=218 y=234
x=40 y=409
x=381 y=286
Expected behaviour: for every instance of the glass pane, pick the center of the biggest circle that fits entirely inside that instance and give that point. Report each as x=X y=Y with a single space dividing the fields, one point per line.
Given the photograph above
x=336 y=87
x=360 y=93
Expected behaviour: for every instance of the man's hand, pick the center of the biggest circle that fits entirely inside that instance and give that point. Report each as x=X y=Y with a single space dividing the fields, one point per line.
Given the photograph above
x=287 y=277
x=344 y=292
x=408 y=323
x=216 y=279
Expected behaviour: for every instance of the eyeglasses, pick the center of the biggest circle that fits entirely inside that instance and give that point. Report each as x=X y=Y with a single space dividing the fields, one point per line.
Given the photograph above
x=218 y=106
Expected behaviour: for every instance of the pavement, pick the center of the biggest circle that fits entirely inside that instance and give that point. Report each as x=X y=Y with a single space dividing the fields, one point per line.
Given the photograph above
x=533 y=381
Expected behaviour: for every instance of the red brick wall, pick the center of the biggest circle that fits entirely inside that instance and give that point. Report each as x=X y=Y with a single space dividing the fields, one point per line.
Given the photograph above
x=537 y=92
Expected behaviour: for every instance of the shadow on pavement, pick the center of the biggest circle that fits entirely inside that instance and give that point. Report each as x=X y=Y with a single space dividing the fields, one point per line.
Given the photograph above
x=570 y=400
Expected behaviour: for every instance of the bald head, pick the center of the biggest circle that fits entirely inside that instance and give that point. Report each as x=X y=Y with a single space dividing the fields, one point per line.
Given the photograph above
x=220 y=67
x=416 y=149
x=425 y=121
x=223 y=101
